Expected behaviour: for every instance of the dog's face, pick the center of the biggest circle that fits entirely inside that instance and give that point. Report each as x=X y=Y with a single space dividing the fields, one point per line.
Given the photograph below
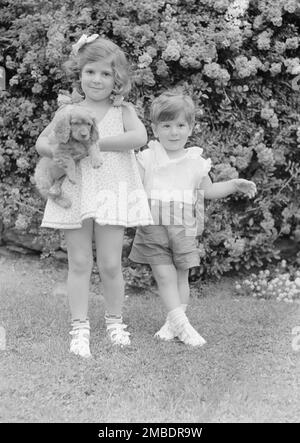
x=81 y=128
x=78 y=125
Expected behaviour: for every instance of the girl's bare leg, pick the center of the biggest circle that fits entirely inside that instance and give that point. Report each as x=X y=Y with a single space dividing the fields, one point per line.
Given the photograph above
x=109 y=243
x=80 y=259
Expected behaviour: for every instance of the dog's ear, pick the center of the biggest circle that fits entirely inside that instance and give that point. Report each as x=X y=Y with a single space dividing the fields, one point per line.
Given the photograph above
x=62 y=129
x=94 y=132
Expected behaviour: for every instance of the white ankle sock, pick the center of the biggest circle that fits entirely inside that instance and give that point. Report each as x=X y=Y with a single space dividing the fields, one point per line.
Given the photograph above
x=80 y=324
x=182 y=306
x=177 y=317
x=112 y=319
x=181 y=327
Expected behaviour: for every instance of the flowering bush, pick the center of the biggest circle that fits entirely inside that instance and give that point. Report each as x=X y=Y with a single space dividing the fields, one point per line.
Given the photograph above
x=240 y=61
x=281 y=284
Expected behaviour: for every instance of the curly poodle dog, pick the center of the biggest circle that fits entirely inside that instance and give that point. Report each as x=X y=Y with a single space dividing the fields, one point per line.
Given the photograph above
x=76 y=133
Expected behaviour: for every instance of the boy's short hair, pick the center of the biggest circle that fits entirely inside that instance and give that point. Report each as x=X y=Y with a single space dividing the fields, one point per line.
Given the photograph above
x=169 y=105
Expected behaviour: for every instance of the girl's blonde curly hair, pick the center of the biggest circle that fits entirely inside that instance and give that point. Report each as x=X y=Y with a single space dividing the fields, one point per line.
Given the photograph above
x=95 y=51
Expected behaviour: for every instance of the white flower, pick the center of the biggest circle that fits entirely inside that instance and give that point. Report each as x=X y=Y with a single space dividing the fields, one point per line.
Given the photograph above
x=84 y=39
x=145 y=60
x=237 y=9
x=295 y=70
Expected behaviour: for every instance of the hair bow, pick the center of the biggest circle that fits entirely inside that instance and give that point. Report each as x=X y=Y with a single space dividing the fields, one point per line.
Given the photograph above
x=65 y=98
x=84 y=39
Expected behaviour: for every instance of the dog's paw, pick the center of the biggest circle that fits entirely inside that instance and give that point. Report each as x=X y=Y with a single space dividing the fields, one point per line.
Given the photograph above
x=96 y=161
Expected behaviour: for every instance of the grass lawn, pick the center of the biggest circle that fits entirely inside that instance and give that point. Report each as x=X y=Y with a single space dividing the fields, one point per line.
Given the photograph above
x=247 y=371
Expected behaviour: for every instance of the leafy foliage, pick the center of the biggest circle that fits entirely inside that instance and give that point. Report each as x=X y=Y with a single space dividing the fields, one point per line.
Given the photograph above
x=240 y=60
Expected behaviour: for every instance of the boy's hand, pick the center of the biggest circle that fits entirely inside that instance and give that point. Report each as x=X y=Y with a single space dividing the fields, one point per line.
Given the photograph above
x=245 y=186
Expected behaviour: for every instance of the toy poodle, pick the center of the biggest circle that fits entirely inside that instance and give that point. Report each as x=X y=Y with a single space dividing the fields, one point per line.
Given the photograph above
x=76 y=133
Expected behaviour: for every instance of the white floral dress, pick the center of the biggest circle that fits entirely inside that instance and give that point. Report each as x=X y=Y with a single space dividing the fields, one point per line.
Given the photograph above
x=111 y=195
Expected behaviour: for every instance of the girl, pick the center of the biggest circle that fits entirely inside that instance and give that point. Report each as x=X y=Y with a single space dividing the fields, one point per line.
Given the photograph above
x=172 y=175
x=104 y=200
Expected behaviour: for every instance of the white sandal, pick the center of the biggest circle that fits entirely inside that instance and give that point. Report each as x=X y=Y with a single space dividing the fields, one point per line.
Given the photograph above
x=188 y=335
x=165 y=332
x=118 y=335
x=80 y=342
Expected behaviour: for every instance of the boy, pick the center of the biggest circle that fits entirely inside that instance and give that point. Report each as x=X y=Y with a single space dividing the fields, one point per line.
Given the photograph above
x=172 y=176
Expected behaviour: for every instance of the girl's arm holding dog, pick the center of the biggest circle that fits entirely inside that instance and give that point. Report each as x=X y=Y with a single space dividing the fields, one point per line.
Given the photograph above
x=46 y=143
x=134 y=137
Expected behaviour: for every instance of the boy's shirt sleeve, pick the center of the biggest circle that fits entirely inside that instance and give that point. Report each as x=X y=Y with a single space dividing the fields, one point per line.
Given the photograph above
x=206 y=166
x=202 y=165
x=205 y=169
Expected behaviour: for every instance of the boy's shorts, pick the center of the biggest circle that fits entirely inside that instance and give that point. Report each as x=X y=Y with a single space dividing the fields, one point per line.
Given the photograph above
x=164 y=245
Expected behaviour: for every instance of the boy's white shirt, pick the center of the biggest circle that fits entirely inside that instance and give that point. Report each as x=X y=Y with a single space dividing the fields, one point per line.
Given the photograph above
x=179 y=177
x=175 y=182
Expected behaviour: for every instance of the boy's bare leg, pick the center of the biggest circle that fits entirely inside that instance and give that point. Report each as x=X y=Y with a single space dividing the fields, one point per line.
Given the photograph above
x=183 y=286
x=166 y=277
